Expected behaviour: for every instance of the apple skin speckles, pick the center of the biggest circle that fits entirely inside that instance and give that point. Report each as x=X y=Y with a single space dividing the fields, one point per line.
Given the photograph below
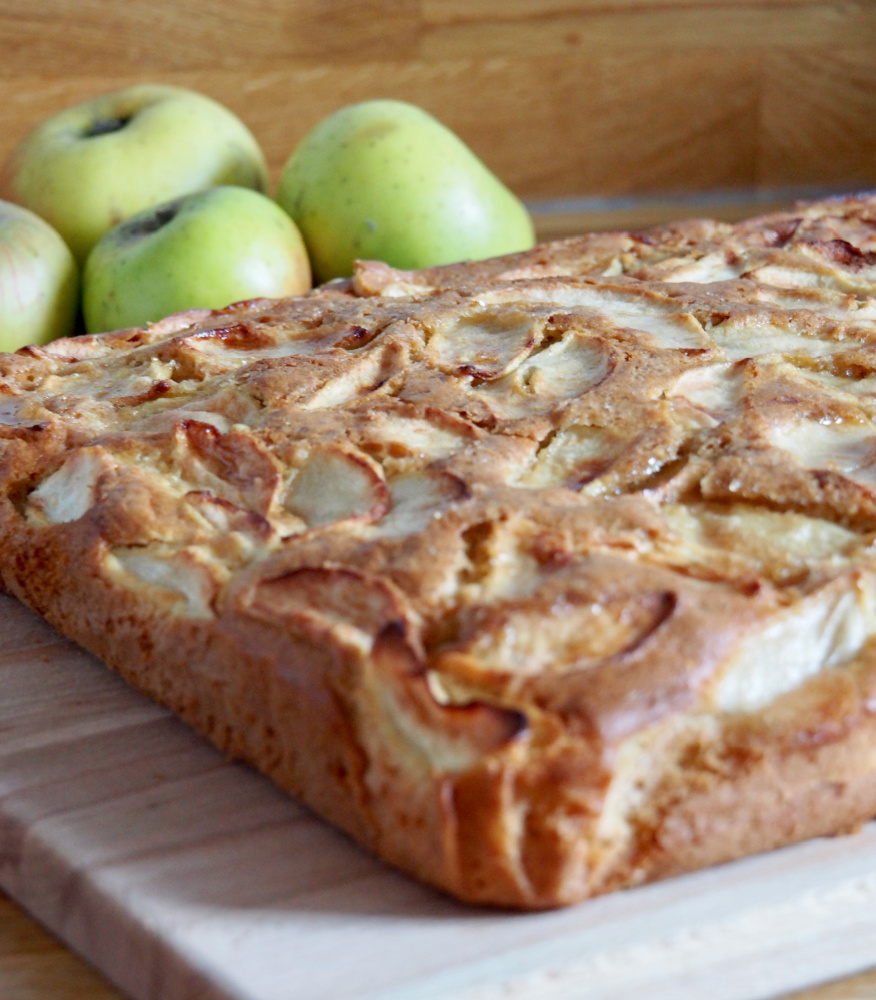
x=384 y=180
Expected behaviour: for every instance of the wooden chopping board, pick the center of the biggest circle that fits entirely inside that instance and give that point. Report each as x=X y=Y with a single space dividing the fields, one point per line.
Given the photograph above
x=183 y=876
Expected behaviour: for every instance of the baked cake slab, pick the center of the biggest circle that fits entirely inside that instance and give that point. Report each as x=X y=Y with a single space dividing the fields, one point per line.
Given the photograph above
x=541 y=577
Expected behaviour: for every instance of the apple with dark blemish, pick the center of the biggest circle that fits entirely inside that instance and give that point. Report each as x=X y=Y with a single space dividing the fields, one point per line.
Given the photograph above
x=204 y=250
x=90 y=166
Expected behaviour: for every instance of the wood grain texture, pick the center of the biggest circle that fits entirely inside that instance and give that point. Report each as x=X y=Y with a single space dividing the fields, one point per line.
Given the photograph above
x=832 y=130
x=34 y=966
x=561 y=98
x=589 y=27
x=860 y=987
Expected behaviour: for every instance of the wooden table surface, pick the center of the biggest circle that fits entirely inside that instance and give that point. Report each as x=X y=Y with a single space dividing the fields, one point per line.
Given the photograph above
x=34 y=966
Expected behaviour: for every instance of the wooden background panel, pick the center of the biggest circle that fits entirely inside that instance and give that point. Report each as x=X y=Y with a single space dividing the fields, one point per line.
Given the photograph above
x=195 y=34
x=84 y=37
x=562 y=98
x=492 y=27
x=818 y=114
x=603 y=126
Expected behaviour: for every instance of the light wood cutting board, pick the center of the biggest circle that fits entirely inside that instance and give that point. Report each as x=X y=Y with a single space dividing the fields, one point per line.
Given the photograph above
x=185 y=877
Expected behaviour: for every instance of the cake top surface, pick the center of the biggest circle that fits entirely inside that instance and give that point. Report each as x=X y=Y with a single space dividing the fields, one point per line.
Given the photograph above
x=597 y=481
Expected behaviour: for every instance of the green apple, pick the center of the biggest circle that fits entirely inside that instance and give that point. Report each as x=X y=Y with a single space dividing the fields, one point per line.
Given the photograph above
x=39 y=281
x=90 y=166
x=204 y=250
x=385 y=180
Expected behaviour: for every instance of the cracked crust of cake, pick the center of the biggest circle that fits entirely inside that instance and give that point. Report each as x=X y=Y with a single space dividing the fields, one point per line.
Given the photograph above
x=542 y=576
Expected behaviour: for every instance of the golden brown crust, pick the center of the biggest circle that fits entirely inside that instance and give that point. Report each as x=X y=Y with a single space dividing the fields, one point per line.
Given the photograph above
x=541 y=576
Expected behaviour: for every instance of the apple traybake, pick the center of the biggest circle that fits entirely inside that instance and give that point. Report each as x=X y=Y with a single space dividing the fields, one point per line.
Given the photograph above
x=541 y=577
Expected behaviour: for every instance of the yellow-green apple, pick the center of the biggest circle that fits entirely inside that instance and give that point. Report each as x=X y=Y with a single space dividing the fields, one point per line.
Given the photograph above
x=39 y=280
x=385 y=180
x=90 y=166
x=204 y=250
